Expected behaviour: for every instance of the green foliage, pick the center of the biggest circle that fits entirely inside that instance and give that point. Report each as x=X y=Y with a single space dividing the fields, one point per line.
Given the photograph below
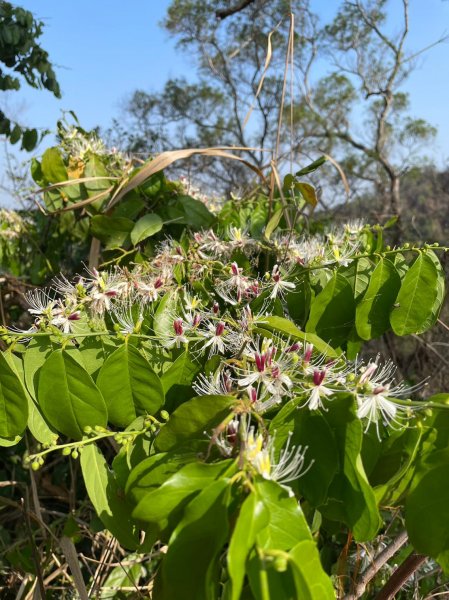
x=129 y=386
x=419 y=299
x=106 y=496
x=373 y=310
x=13 y=402
x=207 y=388
x=68 y=397
x=22 y=59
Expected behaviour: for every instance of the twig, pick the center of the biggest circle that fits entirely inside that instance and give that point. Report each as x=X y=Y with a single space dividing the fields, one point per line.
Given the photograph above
x=34 y=549
x=380 y=560
x=400 y=576
x=105 y=560
x=228 y=12
x=69 y=551
x=94 y=254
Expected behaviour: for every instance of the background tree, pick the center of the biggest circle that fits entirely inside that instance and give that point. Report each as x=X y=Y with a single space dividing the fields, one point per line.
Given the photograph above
x=357 y=111
x=22 y=59
x=368 y=68
x=230 y=55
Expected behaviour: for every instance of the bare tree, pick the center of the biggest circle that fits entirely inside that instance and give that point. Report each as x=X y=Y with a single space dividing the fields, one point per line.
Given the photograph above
x=357 y=112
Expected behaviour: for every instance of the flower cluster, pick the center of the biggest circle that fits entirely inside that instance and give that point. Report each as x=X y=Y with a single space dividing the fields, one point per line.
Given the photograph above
x=78 y=145
x=258 y=455
x=12 y=224
x=195 y=298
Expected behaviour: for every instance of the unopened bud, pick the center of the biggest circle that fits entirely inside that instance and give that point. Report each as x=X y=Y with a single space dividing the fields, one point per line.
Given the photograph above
x=280 y=564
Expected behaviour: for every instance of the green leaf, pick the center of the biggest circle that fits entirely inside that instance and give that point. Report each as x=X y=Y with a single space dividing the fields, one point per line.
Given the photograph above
x=192 y=559
x=312 y=583
x=124 y=575
x=29 y=139
x=106 y=496
x=273 y=223
x=68 y=397
x=36 y=423
x=333 y=311
x=113 y=231
x=307 y=191
x=252 y=518
x=285 y=326
x=312 y=167
x=53 y=167
x=197 y=215
x=193 y=419
x=308 y=429
x=415 y=307
x=13 y=402
x=396 y=465
x=10 y=441
x=438 y=302
x=372 y=313
x=129 y=206
x=427 y=508
x=354 y=501
x=16 y=134
x=35 y=355
x=153 y=471
x=401 y=264
x=287 y=524
x=267 y=581
x=163 y=505
x=36 y=172
x=95 y=167
x=298 y=301
x=152 y=186
x=358 y=274
x=181 y=372
x=129 y=386
x=94 y=351
x=145 y=227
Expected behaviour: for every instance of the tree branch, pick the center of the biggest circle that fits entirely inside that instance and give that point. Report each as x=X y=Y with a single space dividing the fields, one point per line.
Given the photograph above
x=228 y=12
x=380 y=560
x=400 y=576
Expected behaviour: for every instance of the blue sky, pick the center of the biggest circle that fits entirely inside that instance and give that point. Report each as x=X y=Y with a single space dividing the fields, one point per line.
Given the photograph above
x=103 y=50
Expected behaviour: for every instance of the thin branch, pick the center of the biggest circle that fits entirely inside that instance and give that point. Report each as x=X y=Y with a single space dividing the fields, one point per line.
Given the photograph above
x=431 y=348
x=380 y=560
x=400 y=576
x=228 y=12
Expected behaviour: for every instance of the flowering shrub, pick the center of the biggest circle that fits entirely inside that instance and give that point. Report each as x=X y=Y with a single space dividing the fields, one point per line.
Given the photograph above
x=250 y=440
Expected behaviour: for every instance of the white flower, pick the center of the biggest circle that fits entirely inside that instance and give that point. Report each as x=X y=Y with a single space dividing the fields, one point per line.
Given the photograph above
x=280 y=285
x=271 y=374
x=150 y=290
x=375 y=394
x=260 y=454
x=376 y=405
x=234 y=289
x=64 y=318
x=41 y=303
x=179 y=337
x=319 y=390
x=216 y=334
x=128 y=315
x=216 y=384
